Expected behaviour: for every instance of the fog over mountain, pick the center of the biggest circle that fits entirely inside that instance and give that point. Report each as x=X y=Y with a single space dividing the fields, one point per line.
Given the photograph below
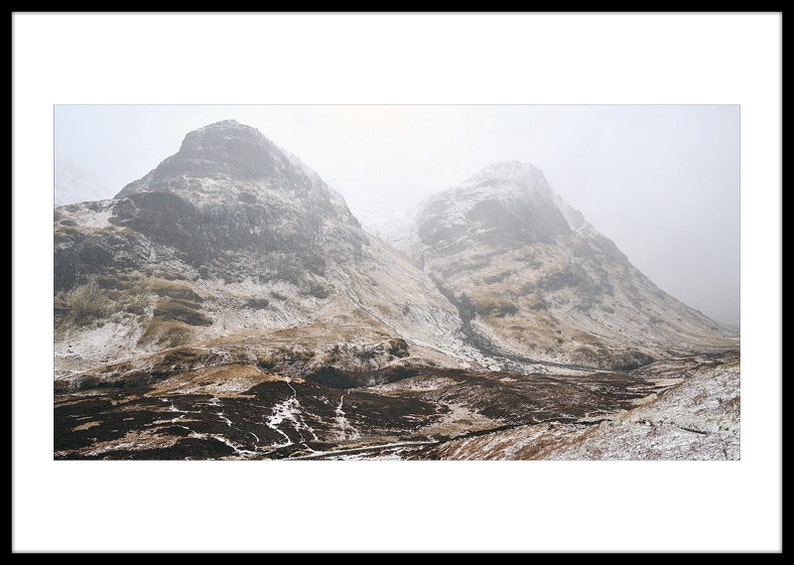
x=72 y=185
x=660 y=181
x=228 y=304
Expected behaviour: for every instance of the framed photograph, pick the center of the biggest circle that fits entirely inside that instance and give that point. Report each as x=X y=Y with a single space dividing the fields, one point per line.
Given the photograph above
x=231 y=304
x=297 y=289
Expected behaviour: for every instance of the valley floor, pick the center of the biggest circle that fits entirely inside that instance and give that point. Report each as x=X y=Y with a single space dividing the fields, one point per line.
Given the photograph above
x=685 y=408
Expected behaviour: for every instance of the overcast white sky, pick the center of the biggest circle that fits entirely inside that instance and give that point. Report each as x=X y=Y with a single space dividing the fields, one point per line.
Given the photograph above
x=661 y=181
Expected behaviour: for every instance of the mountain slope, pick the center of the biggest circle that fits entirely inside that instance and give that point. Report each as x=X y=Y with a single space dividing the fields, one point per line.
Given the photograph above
x=230 y=241
x=691 y=414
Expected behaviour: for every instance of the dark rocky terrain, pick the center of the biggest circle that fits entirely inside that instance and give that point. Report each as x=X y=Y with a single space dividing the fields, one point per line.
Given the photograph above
x=239 y=411
x=228 y=305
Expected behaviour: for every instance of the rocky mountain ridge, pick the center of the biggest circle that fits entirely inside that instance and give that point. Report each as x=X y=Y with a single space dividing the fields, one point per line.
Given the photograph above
x=533 y=279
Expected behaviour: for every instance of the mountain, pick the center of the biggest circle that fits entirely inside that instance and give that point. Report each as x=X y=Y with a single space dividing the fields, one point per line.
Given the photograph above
x=533 y=281
x=228 y=305
x=230 y=241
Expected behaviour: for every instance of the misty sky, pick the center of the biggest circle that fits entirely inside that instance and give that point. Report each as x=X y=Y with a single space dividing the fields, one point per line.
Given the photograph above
x=660 y=181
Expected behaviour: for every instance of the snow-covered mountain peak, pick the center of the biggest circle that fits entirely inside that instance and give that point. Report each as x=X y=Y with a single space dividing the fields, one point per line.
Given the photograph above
x=509 y=176
x=511 y=169
x=505 y=202
x=234 y=166
x=215 y=141
x=220 y=160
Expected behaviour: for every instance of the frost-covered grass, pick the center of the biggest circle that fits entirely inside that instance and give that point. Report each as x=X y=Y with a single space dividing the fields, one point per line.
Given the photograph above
x=698 y=418
x=93 y=215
